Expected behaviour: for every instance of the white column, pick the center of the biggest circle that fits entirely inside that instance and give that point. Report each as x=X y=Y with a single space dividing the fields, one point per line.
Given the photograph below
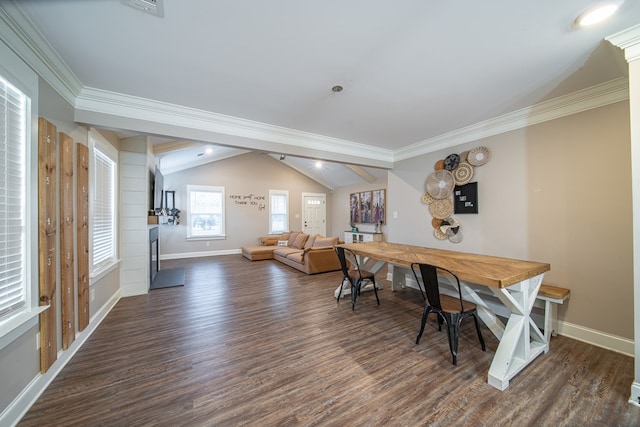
x=629 y=40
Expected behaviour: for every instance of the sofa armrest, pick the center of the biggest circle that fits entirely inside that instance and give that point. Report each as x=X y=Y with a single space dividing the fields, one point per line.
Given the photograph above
x=320 y=259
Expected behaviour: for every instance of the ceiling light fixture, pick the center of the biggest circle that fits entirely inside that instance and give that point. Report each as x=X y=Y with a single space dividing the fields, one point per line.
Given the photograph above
x=282 y=157
x=318 y=164
x=337 y=88
x=596 y=14
x=209 y=150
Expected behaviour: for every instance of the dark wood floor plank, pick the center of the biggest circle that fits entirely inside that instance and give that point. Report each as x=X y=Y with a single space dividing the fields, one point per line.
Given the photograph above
x=258 y=343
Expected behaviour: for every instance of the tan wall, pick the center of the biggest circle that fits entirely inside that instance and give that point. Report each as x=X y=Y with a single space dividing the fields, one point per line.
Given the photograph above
x=557 y=192
x=251 y=173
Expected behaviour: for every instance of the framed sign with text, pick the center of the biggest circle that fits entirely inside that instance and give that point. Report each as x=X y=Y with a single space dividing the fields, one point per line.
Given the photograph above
x=465 y=198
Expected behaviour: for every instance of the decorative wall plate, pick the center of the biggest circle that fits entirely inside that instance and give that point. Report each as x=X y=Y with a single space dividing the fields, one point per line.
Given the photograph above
x=451 y=162
x=441 y=208
x=463 y=173
x=439 y=165
x=439 y=234
x=427 y=198
x=436 y=222
x=440 y=184
x=479 y=156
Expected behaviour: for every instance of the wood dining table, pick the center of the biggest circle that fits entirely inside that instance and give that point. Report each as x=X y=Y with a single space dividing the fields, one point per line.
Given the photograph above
x=514 y=282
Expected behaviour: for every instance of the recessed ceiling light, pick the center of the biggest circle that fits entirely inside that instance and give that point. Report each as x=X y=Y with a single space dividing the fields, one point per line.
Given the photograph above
x=596 y=14
x=209 y=150
x=318 y=164
x=337 y=88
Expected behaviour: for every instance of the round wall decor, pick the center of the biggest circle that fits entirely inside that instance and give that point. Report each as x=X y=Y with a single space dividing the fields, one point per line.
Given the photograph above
x=451 y=162
x=440 y=184
x=463 y=173
x=478 y=156
x=441 y=208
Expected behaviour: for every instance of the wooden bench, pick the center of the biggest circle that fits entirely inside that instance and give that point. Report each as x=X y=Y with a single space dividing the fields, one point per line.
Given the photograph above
x=552 y=296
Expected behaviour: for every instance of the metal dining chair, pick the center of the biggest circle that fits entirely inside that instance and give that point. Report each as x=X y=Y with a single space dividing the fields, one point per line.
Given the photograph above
x=355 y=275
x=450 y=310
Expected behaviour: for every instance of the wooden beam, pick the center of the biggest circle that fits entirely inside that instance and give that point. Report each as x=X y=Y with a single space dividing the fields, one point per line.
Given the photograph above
x=167 y=147
x=362 y=173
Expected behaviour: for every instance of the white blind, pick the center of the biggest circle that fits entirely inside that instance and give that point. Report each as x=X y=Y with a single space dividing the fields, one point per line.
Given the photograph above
x=103 y=217
x=13 y=119
x=278 y=206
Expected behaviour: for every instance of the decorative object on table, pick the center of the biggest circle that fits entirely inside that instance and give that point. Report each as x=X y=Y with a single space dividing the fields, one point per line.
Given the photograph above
x=439 y=165
x=463 y=173
x=441 y=208
x=465 y=198
x=478 y=156
x=451 y=162
x=354 y=229
x=440 y=184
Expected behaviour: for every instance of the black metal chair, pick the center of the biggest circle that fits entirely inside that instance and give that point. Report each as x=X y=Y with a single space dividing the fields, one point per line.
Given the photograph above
x=449 y=310
x=355 y=275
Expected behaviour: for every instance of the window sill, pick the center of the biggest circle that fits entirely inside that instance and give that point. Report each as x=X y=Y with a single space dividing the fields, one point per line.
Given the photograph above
x=97 y=275
x=203 y=238
x=17 y=325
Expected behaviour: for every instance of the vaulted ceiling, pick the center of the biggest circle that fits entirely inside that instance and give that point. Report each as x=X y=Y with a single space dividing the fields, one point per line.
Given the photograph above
x=254 y=75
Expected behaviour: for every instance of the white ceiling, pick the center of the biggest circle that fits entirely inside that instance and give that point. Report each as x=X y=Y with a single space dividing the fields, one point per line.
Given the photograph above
x=412 y=70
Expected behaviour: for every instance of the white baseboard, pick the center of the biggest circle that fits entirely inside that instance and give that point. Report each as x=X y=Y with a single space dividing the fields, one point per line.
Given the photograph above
x=200 y=254
x=635 y=394
x=597 y=338
x=21 y=404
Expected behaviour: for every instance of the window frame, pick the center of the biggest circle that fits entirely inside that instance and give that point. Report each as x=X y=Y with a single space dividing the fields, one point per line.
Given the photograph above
x=97 y=143
x=22 y=77
x=191 y=214
x=272 y=194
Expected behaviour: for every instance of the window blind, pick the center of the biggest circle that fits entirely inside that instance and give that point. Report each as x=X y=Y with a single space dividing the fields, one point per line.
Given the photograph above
x=13 y=119
x=103 y=212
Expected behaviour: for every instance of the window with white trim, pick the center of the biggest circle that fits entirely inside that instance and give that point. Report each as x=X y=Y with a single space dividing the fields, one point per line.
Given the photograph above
x=278 y=211
x=14 y=111
x=102 y=203
x=205 y=217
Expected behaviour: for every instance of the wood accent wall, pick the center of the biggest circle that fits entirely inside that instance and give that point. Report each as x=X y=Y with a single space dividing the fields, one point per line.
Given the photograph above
x=47 y=231
x=67 y=274
x=82 y=237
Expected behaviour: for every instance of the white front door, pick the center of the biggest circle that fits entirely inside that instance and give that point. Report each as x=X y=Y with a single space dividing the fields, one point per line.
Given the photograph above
x=314 y=208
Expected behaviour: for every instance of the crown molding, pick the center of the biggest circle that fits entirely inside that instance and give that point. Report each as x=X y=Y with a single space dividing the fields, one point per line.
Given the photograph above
x=116 y=104
x=629 y=41
x=586 y=99
x=19 y=33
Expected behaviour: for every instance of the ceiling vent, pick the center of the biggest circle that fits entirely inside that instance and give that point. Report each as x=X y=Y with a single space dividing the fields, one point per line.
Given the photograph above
x=153 y=7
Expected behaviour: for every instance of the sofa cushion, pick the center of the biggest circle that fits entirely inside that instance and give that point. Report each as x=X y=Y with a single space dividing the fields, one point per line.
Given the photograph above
x=310 y=240
x=292 y=237
x=284 y=252
x=300 y=241
x=296 y=256
x=325 y=241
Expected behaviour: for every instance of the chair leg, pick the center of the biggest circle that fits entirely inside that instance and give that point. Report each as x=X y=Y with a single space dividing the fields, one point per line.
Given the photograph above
x=354 y=293
x=453 y=327
x=475 y=319
x=340 y=291
x=375 y=289
x=425 y=314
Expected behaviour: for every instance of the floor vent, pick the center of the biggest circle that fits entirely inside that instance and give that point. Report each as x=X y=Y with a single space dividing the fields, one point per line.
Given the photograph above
x=153 y=7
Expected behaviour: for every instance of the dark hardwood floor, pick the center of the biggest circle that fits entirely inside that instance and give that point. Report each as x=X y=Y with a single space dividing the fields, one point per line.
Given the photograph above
x=258 y=343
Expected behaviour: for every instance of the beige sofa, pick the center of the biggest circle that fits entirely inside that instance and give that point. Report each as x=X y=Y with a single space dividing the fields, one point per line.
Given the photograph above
x=310 y=254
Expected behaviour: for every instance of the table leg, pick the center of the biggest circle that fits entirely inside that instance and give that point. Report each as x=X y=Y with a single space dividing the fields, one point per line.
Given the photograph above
x=521 y=341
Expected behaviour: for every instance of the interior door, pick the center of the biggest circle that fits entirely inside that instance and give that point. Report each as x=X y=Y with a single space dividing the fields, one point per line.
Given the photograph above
x=315 y=213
